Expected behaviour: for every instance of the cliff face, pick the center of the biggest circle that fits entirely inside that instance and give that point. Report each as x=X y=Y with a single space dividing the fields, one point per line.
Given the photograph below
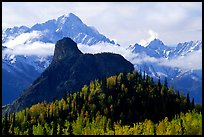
x=69 y=71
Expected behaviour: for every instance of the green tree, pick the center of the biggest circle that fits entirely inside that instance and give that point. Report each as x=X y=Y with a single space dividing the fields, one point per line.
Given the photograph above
x=77 y=126
x=54 y=127
x=165 y=82
x=13 y=124
x=38 y=129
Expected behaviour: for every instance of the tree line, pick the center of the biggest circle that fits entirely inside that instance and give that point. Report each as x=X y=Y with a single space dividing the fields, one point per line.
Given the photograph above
x=129 y=103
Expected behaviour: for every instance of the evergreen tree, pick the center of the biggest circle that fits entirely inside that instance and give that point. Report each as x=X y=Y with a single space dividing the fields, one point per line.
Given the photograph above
x=70 y=129
x=54 y=131
x=30 y=130
x=159 y=83
x=144 y=75
x=13 y=124
x=65 y=95
x=165 y=83
x=188 y=102
x=5 y=125
x=193 y=104
x=178 y=94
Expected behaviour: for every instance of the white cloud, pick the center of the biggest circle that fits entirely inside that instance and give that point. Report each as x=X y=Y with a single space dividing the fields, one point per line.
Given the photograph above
x=23 y=38
x=24 y=45
x=106 y=47
x=36 y=48
x=152 y=36
x=190 y=61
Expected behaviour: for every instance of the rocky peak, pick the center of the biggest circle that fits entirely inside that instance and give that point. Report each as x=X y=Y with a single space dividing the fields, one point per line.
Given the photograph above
x=156 y=43
x=65 y=47
x=69 y=19
x=74 y=17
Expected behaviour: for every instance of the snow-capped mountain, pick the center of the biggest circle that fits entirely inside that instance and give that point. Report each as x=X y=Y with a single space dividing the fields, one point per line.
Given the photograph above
x=185 y=48
x=11 y=33
x=158 y=49
x=68 y=25
x=170 y=62
x=155 y=48
x=27 y=52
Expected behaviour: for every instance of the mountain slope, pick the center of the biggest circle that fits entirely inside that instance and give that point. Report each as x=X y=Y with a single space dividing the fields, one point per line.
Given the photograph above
x=18 y=72
x=69 y=70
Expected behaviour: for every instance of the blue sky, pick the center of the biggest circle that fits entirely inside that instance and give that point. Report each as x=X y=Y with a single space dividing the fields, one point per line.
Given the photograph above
x=127 y=23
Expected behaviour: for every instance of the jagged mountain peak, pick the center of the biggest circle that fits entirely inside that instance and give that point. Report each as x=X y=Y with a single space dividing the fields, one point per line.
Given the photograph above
x=137 y=48
x=67 y=25
x=156 y=48
x=195 y=43
x=184 y=48
x=15 y=28
x=136 y=44
x=74 y=17
x=156 y=43
x=71 y=18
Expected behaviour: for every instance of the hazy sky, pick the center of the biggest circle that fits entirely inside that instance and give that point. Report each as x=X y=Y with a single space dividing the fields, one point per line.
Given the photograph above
x=127 y=23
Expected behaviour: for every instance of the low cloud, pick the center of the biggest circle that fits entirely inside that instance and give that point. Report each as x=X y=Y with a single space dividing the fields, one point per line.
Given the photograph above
x=24 y=45
x=106 y=47
x=190 y=61
x=141 y=57
x=36 y=48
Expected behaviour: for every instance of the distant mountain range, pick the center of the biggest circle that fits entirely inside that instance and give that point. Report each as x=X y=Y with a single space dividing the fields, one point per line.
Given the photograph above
x=186 y=80
x=20 y=70
x=157 y=49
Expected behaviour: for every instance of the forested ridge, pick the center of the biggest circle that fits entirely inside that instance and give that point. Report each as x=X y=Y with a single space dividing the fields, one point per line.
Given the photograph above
x=129 y=103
